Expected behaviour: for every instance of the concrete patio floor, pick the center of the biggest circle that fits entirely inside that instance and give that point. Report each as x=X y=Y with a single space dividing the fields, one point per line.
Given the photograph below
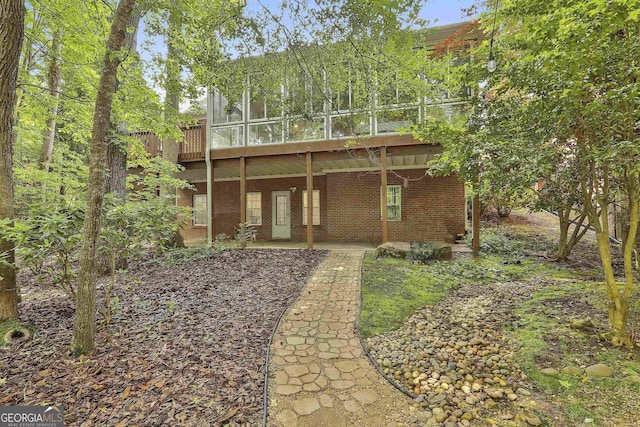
x=455 y=248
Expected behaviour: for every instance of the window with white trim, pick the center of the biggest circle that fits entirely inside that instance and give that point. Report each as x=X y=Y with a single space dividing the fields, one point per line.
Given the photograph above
x=316 y=207
x=199 y=209
x=394 y=202
x=254 y=208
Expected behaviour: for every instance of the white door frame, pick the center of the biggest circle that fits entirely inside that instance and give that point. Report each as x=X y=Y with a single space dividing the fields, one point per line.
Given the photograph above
x=280 y=231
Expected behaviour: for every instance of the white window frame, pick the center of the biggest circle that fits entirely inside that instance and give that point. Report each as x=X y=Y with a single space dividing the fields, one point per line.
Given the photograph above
x=259 y=207
x=195 y=216
x=316 y=207
x=398 y=201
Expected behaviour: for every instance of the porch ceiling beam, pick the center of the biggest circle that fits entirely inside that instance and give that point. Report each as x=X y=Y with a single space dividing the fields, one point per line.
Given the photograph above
x=314 y=147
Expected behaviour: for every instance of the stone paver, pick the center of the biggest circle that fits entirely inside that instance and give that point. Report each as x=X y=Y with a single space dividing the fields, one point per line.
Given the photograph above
x=319 y=374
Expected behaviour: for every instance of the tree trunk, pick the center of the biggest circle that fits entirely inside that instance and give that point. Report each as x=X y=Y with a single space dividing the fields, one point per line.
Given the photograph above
x=11 y=37
x=117 y=159
x=567 y=242
x=563 y=222
x=618 y=308
x=54 y=83
x=84 y=327
x=171 y=147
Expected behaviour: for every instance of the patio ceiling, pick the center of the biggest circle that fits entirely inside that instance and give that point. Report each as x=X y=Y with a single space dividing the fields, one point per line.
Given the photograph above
x=325 y=163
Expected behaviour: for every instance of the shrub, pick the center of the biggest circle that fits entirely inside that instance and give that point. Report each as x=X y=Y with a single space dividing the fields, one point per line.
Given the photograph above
x=427 y=251
x=245 y=233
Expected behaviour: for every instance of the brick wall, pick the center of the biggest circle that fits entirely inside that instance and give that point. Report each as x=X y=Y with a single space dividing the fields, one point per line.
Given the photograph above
x=432 y=208
x=227 y=206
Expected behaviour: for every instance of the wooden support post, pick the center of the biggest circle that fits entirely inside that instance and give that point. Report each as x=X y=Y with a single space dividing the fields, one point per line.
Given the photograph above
x=203 y=139
x=475 y=218
x=243 y=190
x=213 y=222
x=383 y=194
x=309 y=201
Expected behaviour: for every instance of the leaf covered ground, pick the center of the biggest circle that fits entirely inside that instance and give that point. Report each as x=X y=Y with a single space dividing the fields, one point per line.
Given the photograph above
x=187 y=345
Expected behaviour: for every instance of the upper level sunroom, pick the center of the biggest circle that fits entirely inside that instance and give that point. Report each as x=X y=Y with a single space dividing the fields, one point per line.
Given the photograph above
x=310 y=96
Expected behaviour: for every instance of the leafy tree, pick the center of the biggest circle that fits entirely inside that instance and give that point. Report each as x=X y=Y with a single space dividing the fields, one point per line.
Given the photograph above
x=11 y=35
x=83 y=340
x=564 y=103
x=586 y=73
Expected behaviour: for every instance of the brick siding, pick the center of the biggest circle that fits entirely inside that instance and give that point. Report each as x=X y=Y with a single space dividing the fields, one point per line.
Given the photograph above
x=433 y=209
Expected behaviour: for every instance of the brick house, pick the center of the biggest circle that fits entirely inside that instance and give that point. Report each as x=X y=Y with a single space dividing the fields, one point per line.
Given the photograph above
x=249 y=161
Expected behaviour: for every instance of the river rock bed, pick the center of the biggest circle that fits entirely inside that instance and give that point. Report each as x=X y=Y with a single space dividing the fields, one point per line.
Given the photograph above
x=454 y=357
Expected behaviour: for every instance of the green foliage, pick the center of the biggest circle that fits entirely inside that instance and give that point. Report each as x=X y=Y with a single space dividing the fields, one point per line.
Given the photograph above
x=49 y=233
x=425 y=252
x=221 y=238
x=183 y=256
x=244 y=234
x=510 y=242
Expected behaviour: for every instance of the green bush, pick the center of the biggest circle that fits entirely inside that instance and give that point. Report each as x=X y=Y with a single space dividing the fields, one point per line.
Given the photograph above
x=49 y=233
x=245 y=233
x=181 y=256
x=426 y=251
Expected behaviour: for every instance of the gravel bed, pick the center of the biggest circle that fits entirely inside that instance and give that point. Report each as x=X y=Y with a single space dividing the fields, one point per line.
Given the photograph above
x=453 y=356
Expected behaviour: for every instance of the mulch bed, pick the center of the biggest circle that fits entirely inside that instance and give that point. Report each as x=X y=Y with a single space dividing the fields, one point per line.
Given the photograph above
x=187 y=345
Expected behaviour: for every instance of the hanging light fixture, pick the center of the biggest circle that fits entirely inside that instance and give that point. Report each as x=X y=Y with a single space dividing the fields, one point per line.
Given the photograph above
x=491 y=64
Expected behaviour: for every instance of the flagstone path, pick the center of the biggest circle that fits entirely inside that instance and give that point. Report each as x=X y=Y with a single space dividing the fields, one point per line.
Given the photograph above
x=319 y=374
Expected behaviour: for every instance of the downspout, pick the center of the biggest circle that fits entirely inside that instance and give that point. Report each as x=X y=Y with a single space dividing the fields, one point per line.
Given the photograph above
x=207 y=160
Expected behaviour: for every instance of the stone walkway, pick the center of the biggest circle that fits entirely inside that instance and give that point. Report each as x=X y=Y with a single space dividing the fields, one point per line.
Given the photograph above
x=319 y=374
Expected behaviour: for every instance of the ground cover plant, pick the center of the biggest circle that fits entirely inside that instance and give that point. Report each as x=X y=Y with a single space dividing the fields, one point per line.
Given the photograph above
x=186 y=343
x=508 y=337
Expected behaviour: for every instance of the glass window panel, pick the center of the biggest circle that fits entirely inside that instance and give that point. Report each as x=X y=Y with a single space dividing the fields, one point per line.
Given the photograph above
x=219 y=108
x=235 y=112
x=257 y=104
x=273 y=101
x=200 y=209
x=387 y=94
x=341 y=101
x=226 y=137
x=281 y=210
x=347 y=125
x=266 y=133
x=450 y=112
x=396 y=120
x=316 y=207
x=254 y=208
x=394 y=203
x=305 y=130
x=306 y=94
x=225 y=111
x=317 y=96
x=296 y=101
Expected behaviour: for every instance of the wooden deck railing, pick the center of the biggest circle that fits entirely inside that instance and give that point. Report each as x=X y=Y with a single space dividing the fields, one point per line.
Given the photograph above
x=192 y=147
